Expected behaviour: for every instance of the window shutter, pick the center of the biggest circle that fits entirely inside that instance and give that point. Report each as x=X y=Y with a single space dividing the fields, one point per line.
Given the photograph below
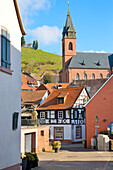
x=38 y=115
x=77 y=114
x=56 y=114
x=64 y=114
x=45 y=115
x=83 y=114
x=73 y=114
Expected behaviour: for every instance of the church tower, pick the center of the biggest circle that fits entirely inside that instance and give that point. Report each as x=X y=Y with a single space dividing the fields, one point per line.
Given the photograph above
x=68 y=41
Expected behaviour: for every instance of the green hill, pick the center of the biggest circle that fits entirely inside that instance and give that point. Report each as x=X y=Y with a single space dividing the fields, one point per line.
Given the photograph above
x=38 y=61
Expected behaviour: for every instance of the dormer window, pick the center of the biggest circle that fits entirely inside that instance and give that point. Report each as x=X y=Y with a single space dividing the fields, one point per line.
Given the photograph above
x=60 y=100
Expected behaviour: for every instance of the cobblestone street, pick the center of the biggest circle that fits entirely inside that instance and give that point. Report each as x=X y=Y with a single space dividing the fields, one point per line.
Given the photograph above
x=75 y=157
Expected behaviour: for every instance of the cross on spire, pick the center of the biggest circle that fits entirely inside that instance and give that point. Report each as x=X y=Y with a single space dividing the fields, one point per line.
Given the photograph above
x=68 y=4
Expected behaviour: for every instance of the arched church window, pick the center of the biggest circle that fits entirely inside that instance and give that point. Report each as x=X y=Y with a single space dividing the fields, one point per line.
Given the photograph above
x=107 y=76
x=93 y=76
x=100 y=76
x=70 y=46
x=77 y=76
x=85 y=76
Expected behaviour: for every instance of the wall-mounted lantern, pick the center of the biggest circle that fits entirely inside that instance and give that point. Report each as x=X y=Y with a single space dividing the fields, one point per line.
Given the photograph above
x=15 y=120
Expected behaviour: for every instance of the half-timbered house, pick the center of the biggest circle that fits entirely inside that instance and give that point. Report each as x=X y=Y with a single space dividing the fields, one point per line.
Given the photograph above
x=63 y=111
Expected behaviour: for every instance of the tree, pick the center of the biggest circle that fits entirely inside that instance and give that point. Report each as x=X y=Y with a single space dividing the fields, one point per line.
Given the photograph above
x=35 y=45
x=47 y=78
x=22 y=41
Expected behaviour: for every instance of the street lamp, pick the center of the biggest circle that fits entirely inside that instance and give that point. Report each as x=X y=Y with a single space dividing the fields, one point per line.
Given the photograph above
x=108 y=129
x=96 y=132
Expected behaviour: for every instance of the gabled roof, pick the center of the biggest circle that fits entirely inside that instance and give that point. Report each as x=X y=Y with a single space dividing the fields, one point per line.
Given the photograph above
x=27 y=77
x=99 y=90
x=44 y=87
x=91 y=60
x=24 y=86
x=19 y=17
x=32 y=97
x=51 y=102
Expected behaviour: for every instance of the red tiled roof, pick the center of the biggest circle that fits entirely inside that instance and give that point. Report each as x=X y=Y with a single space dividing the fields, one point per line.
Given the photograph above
x=44 y=87
x=32 y=97
x=24 y=86
x=51 y=102
x=52 y=85
x=26 y=78
x=23 y=78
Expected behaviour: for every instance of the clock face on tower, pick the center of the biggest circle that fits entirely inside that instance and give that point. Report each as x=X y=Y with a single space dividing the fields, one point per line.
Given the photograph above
x=70 y=34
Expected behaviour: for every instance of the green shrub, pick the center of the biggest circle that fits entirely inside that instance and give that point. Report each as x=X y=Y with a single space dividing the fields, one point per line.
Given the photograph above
x=103 y=132
x=31 y=156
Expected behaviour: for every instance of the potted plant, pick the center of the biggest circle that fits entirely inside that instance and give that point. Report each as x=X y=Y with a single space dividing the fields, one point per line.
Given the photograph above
x=24 y=163
x=57 y=146
x=32 y=160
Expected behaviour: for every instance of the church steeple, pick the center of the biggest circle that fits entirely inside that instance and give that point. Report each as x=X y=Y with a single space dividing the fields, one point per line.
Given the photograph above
x=69 y=31
x=68 y=41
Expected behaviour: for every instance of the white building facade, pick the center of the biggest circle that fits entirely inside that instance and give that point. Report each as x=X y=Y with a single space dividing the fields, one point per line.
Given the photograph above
x=66 y=125
x=11 y=30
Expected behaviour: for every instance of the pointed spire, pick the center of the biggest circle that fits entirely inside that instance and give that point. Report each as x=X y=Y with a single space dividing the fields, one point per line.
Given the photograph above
x=69 y=31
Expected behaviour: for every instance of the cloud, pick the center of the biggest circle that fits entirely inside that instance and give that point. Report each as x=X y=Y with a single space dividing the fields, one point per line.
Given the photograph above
x=28 y=8
x=46 y=35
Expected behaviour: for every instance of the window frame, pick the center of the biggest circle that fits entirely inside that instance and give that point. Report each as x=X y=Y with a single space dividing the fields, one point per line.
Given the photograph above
x=60 y=112
x=61 y=99
x=2 y=68
x=42 y=117
x=80 y=136
x=100 y=76
x=55 y=133
x=42 y=133
x=70 y=46
x=93 y=76
x=77 y=76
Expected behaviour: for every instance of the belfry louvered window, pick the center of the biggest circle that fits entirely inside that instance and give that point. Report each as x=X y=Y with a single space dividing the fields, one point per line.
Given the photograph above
x=70 y=46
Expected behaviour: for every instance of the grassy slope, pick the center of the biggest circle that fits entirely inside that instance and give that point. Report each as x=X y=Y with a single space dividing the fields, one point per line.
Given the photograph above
x=37 y=61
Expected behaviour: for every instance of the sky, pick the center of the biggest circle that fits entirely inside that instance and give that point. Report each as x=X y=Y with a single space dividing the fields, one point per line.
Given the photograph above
x=92 y=19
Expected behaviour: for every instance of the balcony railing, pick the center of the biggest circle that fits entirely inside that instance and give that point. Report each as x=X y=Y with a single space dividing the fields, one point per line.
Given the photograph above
x=32 y=122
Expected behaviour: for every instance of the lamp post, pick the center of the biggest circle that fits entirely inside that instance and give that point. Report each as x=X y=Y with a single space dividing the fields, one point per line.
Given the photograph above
x=108 y=129
x=96 y=131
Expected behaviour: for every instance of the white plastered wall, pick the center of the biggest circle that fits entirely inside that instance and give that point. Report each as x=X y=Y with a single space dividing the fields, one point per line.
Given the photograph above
x=67 y=131
x=10 y=89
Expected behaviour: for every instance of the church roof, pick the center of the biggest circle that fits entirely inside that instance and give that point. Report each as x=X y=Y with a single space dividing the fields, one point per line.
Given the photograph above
x=69 y=30
x=91 y=60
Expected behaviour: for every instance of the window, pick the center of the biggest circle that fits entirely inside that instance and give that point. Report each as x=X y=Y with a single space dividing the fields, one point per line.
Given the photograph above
x=59 y=133
x=42 y=115
x=77 y=76
x=100 y=76
x=92 y=76
x=75 y=114
x=60 y=114
x=78 y=132
x=70 y=46
x=85 y=76
x=60 y=100
x=107 y=76
x=52 y=113
x=42 y=132
x=5 y=49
